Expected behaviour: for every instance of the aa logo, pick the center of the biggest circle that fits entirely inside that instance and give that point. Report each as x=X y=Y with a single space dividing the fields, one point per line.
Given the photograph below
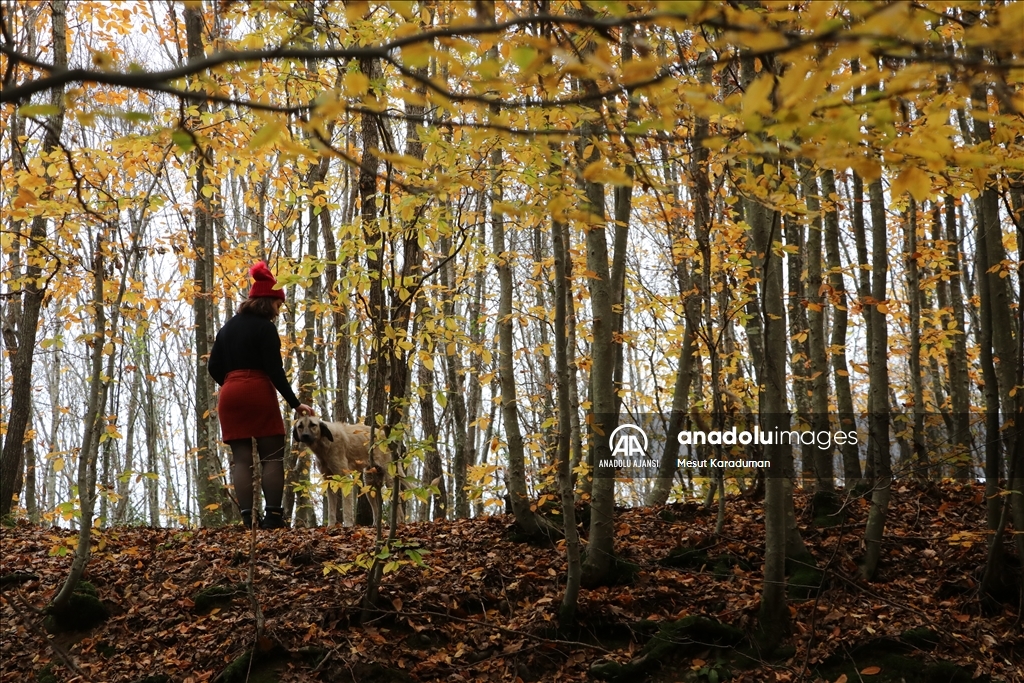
x=628 y=442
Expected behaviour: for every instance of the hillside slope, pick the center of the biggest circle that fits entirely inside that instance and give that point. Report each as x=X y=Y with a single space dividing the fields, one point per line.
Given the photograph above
x=484 y=608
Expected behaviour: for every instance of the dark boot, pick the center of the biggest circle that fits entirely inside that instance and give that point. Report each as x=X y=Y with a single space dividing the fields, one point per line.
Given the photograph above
x=246 y=519
x=274 y=519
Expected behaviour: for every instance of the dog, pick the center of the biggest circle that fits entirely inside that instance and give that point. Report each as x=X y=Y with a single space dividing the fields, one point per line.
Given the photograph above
x=342 y=448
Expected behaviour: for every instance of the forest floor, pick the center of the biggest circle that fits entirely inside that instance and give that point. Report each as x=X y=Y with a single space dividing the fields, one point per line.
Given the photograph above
x=484 y=608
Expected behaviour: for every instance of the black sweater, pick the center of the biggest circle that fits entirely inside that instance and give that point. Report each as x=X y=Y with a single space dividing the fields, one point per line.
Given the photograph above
x=250 y=342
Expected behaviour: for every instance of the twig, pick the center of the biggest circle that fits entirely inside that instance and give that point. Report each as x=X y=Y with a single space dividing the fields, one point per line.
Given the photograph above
x=817 y=595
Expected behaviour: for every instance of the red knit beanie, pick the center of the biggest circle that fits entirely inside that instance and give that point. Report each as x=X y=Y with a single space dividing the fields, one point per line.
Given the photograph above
x=264 y=282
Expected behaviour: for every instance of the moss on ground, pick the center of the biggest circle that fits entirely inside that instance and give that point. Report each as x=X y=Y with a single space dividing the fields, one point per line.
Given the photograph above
x=84 y=611
x=214 y=596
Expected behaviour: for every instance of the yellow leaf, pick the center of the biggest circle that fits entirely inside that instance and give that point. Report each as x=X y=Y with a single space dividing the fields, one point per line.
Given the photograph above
x=883 y=309
x=915 y=181
x=356 y=10
x=58 y=464
x=600 y=172
x=868 y=169
x=592 y=170
x=265 y=135
x=639 y=71
x=356 y=84
x=25 y=198
x=756 y=100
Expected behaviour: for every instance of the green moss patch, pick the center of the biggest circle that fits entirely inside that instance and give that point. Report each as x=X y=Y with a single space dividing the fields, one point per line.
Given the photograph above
x=216 y=596
x=827 y=509
x=805 y=579
x=84 y=611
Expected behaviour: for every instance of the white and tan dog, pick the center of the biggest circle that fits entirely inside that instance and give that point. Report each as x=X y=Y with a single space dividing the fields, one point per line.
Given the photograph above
x=340 y=449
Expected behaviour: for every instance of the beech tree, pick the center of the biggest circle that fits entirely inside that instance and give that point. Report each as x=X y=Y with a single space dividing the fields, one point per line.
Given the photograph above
x=507 y=226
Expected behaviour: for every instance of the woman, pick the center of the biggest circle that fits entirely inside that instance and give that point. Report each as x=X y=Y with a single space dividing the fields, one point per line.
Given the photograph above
x=246 y=363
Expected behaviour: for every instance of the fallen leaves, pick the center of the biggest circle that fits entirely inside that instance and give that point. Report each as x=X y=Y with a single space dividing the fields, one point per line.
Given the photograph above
x=483 y=608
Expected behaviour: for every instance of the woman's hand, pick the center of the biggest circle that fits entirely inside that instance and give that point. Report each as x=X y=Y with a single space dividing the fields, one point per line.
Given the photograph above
x=303 y=409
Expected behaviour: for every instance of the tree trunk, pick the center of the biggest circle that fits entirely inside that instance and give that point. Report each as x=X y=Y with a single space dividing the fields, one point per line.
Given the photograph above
x=91 y=440
x=956 y=359
x=433 y=469
x=822 y=457
x=600 y=551
x=840 y=370
x=567 y=611
x=12 y=455
x=878 y=391
x=214 y=504
x=863 y=295
x=920 y=464
x=773 y=618
x=152 y=434
x=684 y=374
x=798 y=335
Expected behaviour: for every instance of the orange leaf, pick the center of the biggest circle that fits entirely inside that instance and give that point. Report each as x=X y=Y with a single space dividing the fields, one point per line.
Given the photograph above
x=841 y=679
x=871 y=670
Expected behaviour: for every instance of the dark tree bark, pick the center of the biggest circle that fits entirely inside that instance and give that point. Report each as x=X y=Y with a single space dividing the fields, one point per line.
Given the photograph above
x=878 y=379
x=32 y=294
x=840 y=369
x=214 y=503
x=920 y=464
x=815 y=303
x=956 y=355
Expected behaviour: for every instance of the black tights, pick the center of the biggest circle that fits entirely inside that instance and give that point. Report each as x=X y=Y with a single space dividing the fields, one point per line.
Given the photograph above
x=271 y=451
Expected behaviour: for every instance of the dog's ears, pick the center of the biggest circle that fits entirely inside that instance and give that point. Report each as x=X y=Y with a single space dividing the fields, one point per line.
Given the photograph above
x=295 y=434
x=325 y=432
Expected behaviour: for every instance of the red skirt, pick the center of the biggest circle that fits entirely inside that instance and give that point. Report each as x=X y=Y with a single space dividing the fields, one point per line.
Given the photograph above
x=248 y=406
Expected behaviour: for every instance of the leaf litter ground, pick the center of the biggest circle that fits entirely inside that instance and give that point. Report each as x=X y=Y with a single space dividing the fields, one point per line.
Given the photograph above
x=485 y=607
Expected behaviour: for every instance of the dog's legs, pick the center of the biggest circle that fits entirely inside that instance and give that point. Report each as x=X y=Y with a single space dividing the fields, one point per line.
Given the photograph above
x=348 y=507
x=375 y=503
x=332 y=506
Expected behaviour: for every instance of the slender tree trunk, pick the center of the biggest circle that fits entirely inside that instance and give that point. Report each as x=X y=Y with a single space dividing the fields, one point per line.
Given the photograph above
x=12 y=454
x=433 y=470
x=123 y=490
x=773 y=618
x=878 y=378
x=863 y=295
x=454 y=376
x=796 y=299
x=600 y=551
x=816 y=301
x=91 y=440
x=840 y=369
x=916 y=381
x=956 y=357
x=152 y=435
x=567 y=611
x=214 y=504
x=684 y=373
